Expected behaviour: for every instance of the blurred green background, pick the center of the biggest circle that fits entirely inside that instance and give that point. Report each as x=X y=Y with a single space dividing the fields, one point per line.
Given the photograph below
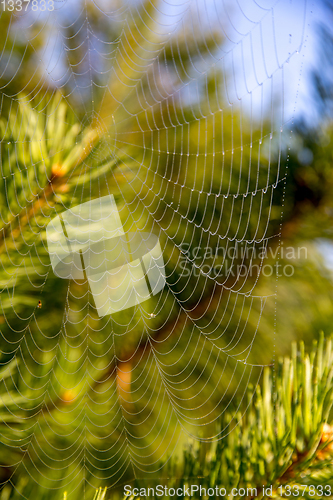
x=89 y=401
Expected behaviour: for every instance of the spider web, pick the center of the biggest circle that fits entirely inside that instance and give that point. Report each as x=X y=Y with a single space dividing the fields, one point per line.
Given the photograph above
x=177 y=111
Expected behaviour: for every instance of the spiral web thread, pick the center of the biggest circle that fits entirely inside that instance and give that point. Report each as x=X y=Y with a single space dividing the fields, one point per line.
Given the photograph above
x=178 y=111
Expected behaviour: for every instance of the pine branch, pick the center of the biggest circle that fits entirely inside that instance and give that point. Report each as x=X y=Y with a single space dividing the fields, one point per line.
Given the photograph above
x=283 y=439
